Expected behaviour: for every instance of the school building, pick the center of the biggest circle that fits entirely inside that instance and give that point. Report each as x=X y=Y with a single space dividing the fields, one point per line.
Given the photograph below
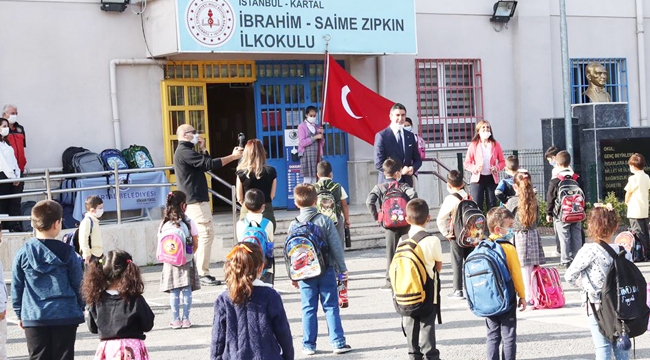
x=111 y=73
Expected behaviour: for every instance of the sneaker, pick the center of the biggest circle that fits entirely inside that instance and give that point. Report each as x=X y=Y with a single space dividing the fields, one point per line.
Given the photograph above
x=187 y=324
x=342 y=350
x=565 y=266
x=456 y=295
x=386 y=287
x=306 y=351
x=209 y=280
x=176 y=324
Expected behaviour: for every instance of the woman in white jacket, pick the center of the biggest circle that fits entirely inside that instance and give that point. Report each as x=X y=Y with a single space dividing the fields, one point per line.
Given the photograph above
x=588 y=272
x=8 y=167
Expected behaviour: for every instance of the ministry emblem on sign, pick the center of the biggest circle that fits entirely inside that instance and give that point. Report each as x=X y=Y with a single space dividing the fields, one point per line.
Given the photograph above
x=210 y=22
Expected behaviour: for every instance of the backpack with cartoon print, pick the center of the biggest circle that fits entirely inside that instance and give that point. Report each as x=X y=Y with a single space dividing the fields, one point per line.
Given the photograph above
x=393 y=207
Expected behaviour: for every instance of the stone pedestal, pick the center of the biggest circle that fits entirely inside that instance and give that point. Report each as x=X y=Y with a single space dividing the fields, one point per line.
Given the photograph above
x=598 y=121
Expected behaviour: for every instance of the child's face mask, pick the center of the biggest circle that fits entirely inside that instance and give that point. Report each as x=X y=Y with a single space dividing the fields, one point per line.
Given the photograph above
x=506 y=233
x=99 y=211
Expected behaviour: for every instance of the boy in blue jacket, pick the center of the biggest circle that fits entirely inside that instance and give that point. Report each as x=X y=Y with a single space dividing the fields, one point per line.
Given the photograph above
x=45 y=284
x=323 y=287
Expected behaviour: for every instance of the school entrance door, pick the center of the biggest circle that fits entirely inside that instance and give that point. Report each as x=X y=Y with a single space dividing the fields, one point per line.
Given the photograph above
x=282 y=92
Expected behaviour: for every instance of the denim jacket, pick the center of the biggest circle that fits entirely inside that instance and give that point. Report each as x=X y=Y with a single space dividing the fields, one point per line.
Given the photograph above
x=331 y=236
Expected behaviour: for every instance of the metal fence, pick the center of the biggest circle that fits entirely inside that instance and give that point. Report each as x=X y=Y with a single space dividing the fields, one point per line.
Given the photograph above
x=533 y=161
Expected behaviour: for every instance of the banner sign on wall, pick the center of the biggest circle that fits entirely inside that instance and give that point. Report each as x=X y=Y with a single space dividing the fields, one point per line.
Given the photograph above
x=297 y=26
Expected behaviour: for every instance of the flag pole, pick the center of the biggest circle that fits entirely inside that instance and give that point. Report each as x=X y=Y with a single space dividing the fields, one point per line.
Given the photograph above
x=327 y=74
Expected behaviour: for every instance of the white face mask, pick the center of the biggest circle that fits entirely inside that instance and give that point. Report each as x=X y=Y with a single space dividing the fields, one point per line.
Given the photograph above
x=195 y=139
x=311 y=119
x=485 y=135
x=12 y=119
x=99 y=213
x=408 y=128
x=4 y=131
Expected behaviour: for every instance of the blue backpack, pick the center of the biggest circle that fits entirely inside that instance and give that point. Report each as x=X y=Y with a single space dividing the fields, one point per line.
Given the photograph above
x=488 y=285
x=256 y=233
x=112 y=159
x=305 y=250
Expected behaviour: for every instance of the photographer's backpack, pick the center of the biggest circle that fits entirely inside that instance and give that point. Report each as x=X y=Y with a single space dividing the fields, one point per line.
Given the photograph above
x=306 y=253
x=413 y=289
x=488 y=284
x=328 y=200
x=393 y=207
x=468 y=223
x=570 y=200
x=623 y=311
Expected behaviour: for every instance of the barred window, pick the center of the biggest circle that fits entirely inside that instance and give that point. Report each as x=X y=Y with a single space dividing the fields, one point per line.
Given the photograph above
x=616 y=79
x=450 y=100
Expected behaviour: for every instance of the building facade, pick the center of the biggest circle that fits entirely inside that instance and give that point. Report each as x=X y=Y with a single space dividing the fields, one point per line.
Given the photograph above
x=85 y=77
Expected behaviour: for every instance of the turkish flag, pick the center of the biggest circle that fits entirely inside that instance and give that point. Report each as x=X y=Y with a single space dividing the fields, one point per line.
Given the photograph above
x=350 y=106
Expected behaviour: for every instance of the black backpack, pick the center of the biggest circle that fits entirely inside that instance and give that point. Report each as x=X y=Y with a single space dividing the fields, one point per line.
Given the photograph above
x=67 y=157
x=623 y=310
x=468 y=223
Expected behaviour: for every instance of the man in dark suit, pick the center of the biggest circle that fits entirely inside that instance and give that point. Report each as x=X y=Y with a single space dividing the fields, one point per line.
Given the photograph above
x=393 y=142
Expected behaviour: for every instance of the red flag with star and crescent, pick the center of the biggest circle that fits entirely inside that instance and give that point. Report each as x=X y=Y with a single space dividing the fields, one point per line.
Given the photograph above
x=350 y=106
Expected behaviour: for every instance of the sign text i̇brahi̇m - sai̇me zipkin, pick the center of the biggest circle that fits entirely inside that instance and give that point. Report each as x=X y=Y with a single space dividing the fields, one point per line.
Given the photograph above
x=298 y=26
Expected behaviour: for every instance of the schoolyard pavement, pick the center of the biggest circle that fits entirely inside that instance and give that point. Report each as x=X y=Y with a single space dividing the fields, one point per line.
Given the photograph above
x=372 y=327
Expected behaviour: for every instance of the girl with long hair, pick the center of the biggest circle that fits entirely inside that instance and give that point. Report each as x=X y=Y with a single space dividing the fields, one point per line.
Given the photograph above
x=484 y=160
x=116 y=309
x=249 y=316
x=254 y=173
x=527 y=240
x=180 y=281
x=589 y=269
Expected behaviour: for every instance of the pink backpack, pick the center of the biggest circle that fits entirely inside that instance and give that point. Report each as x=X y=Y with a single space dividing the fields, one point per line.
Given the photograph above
x=171 y=244
x=546 y=288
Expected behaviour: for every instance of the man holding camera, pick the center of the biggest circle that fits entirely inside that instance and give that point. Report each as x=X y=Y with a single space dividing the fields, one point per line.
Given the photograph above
x=190 y=167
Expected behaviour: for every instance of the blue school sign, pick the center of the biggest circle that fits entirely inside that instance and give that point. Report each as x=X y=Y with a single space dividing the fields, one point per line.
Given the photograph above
x=297 y=26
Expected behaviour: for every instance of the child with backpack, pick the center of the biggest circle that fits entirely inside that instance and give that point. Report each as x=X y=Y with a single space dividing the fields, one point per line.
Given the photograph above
x=456 y=190
x=332 y=198
x=258 y=229
x=179 y=280
x=117 y=311
x=392 y=196
x=527 y=240
x=90 y=235
x=249 y=318
x=636 y=199
x=589 y=271
x=418 y=312
x=481 y=285
x=323 y=287
x=45 y=287
x=505 y=189
x=565 y=206
x=549 y=155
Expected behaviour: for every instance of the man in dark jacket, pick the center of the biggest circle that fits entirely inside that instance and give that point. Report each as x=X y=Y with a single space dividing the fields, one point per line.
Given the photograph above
x=397 y=144
x=190 y=167
x=45 y=288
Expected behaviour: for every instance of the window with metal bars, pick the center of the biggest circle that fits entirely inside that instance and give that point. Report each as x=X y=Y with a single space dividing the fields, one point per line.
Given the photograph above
x=450 y=100
x=616 y=79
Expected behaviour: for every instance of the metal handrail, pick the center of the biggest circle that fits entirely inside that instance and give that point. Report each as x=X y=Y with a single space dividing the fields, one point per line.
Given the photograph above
x=48 y=192
x=232 y=201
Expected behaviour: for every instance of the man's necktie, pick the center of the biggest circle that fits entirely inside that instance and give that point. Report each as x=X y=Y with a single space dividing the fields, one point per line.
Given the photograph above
x=400 y=144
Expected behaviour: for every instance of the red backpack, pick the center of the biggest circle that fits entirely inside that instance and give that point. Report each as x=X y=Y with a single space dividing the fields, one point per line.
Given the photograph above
x=570 y=200
x=393 y=207
x=546 y=288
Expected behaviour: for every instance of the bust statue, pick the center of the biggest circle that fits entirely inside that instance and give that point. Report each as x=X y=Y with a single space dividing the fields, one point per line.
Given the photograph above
x=597 y=78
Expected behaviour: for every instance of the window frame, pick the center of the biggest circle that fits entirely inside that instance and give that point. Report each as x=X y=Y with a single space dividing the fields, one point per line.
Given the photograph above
x=444 y=89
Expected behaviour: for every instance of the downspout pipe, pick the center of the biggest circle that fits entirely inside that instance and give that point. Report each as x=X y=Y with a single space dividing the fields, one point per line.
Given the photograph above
x=113 y=78
x=640 y=38
x=381 y=81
